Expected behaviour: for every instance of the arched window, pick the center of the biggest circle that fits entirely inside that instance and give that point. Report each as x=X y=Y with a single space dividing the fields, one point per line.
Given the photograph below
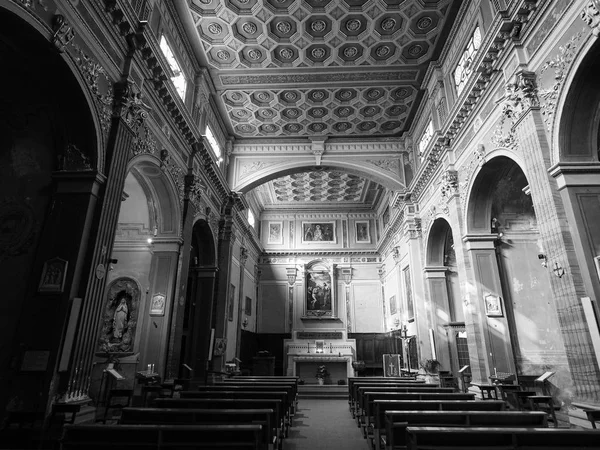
x=465 y=64
x=214 y=145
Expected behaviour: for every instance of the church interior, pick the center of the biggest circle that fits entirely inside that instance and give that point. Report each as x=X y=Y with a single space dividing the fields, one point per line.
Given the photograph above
x=204 y=198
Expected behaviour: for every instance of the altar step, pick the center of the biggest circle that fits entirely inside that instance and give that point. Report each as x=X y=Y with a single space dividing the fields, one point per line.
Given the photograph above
x=325 y=391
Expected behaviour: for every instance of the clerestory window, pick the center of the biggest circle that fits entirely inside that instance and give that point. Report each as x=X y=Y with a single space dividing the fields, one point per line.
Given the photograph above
x=465 y=64
x=178 y=77
x=425 y=139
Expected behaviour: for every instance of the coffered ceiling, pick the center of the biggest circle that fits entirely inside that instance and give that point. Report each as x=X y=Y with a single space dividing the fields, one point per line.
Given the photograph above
x=323 y=188
x=336 y=68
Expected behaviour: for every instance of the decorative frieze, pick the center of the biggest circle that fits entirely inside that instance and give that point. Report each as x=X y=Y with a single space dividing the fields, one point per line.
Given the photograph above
x=561 y=64
x=63 y=33
x=449 y=184
x=389 y=165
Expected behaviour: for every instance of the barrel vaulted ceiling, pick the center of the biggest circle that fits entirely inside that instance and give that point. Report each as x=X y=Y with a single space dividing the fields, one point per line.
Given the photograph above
x=285 y=70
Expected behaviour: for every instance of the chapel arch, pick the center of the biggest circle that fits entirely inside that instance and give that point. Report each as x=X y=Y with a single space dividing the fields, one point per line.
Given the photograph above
x=441 y=274
x=511 y=274
x=199 y=309
x=146 y=249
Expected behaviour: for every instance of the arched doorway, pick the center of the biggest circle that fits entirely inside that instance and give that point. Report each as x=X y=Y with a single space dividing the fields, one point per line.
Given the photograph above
x=48 y=144
x=448 y=319
x=199 y=312
x=145 y=254
x=519 y=318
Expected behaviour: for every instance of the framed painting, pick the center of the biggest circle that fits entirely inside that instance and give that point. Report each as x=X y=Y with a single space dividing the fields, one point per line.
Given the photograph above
x=410 y=306
x=248 y=306
x=363 y=234
x=493 y=305
x=157 y=306
x=393 y=306
x=319 y=290
x=319 y=232
x=54 y=274
x=275 y=233
x=231 y=302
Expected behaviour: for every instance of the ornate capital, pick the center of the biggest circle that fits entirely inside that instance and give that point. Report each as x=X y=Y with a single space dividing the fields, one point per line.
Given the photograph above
x=520 y=96
x=291 y=275
x=591 y=15
x=130 y=106
x=243 y=255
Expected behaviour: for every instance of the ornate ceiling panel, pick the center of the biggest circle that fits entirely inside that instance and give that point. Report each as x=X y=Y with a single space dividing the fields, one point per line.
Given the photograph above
x=322 y=188
x=297 y=68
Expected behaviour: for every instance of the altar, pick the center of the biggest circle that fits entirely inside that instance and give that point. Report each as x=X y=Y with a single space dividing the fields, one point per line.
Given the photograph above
x=309 y=349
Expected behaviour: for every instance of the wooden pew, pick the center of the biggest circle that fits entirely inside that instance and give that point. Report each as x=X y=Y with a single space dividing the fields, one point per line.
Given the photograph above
x=266 y=383
x=375 y=380
x=396 y=422
x=432 y=438
x=369 y=397
x=167 y=416
x=361 y=390
x=289 y=398
x=383 y=407
x=353 y=392
x=229 y=403
x=157 y=437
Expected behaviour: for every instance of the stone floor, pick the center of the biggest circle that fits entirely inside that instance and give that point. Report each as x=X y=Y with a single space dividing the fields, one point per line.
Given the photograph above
x=321 y=424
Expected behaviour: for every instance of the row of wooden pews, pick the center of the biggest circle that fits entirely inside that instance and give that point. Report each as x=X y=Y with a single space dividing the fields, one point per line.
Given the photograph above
x=399 y=414
x=241 y=413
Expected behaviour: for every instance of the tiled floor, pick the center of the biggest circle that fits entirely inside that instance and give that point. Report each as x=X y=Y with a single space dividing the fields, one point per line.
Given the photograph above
x=321 y=424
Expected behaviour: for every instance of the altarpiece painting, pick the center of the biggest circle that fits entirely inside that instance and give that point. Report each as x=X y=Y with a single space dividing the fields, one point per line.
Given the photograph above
x=320 y=290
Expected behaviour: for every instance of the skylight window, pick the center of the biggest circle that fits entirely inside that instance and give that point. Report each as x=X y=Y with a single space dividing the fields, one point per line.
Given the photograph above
x=465 y=65
x=178 y=77
x=425 y=139
x=213 y=143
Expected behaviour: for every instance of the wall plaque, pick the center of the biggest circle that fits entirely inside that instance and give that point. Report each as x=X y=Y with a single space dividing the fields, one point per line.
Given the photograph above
x=319 y=335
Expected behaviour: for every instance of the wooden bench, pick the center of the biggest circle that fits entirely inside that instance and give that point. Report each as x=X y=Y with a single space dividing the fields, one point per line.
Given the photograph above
x=384 y=407
x=229 y=403
x=370 y=397
x=167 y=416
x=361 y=390
x=353 y=392
x=289 y=384
x=377 y=380
x=156 y=437
x=396 y=422
x=433 y=438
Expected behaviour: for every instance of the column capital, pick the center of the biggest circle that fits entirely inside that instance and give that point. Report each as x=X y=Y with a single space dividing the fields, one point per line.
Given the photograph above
x=480 y=241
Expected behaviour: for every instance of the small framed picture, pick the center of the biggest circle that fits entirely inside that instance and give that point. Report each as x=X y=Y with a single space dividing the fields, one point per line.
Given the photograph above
x=275 y=233
x=157 y=306
x=363 y=234
x=493 y=305
x=54 y=274
x=393 y=306
x=248 y=306
x=231 y=302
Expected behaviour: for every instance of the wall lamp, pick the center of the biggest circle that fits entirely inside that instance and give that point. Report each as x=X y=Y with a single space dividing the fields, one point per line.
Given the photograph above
x=245 y=322
x=112 y=262
x=544 y=259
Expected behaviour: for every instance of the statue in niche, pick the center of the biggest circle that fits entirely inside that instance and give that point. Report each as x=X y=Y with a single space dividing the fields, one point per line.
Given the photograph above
x=120 y=316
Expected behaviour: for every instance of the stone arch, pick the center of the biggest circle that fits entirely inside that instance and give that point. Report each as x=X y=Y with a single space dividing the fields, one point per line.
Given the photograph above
x=436 y=240
x=203 y=243
x=385 y=178
x=577 y=130
x=66 y=70
x=162 y=193
x=482 y=183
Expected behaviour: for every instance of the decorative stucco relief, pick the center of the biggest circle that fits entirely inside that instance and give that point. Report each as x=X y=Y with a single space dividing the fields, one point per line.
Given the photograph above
x=561 y=63
x=591 y=15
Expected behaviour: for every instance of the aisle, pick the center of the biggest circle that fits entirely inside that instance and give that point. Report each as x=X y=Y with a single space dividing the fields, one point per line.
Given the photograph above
x=321 y=424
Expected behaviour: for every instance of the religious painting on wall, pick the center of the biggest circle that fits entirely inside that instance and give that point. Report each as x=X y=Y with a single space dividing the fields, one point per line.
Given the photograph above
x=231 y=302
x=318 y=232
x=319 y=290
x=54 y=274
x=393 y=306
x=275 y=233
x=362 y=232
x=120 y=316
x=410 y=306
x=248 y=306
x=157 y=306
x=493 y=305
